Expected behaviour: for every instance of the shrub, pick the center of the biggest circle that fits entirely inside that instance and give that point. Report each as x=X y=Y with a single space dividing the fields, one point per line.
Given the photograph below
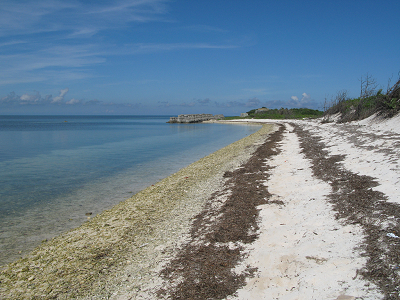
x=369 y=102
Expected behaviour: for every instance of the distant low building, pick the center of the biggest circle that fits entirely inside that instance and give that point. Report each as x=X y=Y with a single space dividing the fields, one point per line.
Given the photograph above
x=262 y=110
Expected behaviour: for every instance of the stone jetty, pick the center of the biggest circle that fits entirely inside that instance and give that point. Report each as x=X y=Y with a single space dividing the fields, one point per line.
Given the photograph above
x=195 y=118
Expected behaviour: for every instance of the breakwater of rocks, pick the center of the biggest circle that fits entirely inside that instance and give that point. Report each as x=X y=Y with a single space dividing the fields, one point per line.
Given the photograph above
x=194 y=118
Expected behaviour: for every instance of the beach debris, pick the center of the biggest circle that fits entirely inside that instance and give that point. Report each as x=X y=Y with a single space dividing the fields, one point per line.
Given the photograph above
x=392 y=235
x=318 y=260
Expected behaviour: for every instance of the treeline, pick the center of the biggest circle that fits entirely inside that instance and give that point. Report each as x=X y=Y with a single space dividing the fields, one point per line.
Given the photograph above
x=285 y=113
x=371 y=101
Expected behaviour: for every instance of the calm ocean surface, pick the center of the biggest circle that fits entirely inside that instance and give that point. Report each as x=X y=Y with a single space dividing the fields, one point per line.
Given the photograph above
x=54 y=169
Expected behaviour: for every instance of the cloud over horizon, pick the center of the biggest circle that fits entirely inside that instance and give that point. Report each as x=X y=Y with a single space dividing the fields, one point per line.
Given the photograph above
x=60 y=98
x=206 y=105
x=304 y=101
x=36 y=99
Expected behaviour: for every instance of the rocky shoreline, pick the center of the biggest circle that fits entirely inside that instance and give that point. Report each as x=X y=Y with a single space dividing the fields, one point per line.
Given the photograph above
x=120 y=251
x=298 y=210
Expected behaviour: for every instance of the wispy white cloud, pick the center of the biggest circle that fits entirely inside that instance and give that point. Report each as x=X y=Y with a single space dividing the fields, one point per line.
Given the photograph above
x=131 y=10
x=54 y=40
x=60 y=98
x=31 y=98
x=12 y=43
x=73 y=101
x=294 y=98
x=304 y=101
x=36 y=99
x=52 y=63
x=30 y=103
x=159 y=47
x=53 y=34
x=83 y=32
x=68 y=62
x=26 y=17
x=306 y=97
x=68 y=56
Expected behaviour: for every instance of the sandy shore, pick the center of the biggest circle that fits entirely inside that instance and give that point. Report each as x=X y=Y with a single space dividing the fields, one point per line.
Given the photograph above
x=298 y=210
x=335 y=232
x=120 y=252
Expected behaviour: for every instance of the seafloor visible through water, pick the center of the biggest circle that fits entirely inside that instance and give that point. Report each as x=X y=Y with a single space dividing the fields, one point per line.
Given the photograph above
x=57 y=171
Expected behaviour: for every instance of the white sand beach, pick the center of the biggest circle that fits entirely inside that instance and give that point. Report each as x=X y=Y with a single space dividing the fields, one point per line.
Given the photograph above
x=303 y=252
x=325 y=224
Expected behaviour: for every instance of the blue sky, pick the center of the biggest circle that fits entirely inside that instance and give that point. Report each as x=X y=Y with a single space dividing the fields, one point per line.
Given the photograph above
x=175 y=57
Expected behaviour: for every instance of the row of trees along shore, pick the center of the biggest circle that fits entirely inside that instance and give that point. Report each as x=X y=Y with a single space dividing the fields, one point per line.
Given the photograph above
x=284 y=113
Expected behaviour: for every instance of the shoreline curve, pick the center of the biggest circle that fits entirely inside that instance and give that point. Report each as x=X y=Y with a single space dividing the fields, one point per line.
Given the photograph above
x=122 y=248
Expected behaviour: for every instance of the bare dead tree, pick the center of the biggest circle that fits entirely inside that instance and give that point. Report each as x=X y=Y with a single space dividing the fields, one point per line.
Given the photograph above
x=368 y=86
x=337 y=103
x=341 y=96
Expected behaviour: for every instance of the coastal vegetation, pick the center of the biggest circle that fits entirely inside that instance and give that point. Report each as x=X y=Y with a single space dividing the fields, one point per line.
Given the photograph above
x=285 y=113
x=371 y=101
x=281 y=113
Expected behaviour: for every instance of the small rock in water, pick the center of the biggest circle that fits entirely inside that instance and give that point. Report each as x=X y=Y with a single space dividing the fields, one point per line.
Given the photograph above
x=88 y=214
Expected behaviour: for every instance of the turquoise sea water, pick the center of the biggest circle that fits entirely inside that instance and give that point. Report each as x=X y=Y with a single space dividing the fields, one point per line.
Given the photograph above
x=55 y=169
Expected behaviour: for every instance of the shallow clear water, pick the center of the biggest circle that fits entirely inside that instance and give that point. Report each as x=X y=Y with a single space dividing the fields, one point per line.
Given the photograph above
x=54 y=169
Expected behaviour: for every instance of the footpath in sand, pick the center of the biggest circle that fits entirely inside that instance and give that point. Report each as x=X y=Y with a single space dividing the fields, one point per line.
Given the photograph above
x=299 y=210
x=303 y=252
x=333 y=230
